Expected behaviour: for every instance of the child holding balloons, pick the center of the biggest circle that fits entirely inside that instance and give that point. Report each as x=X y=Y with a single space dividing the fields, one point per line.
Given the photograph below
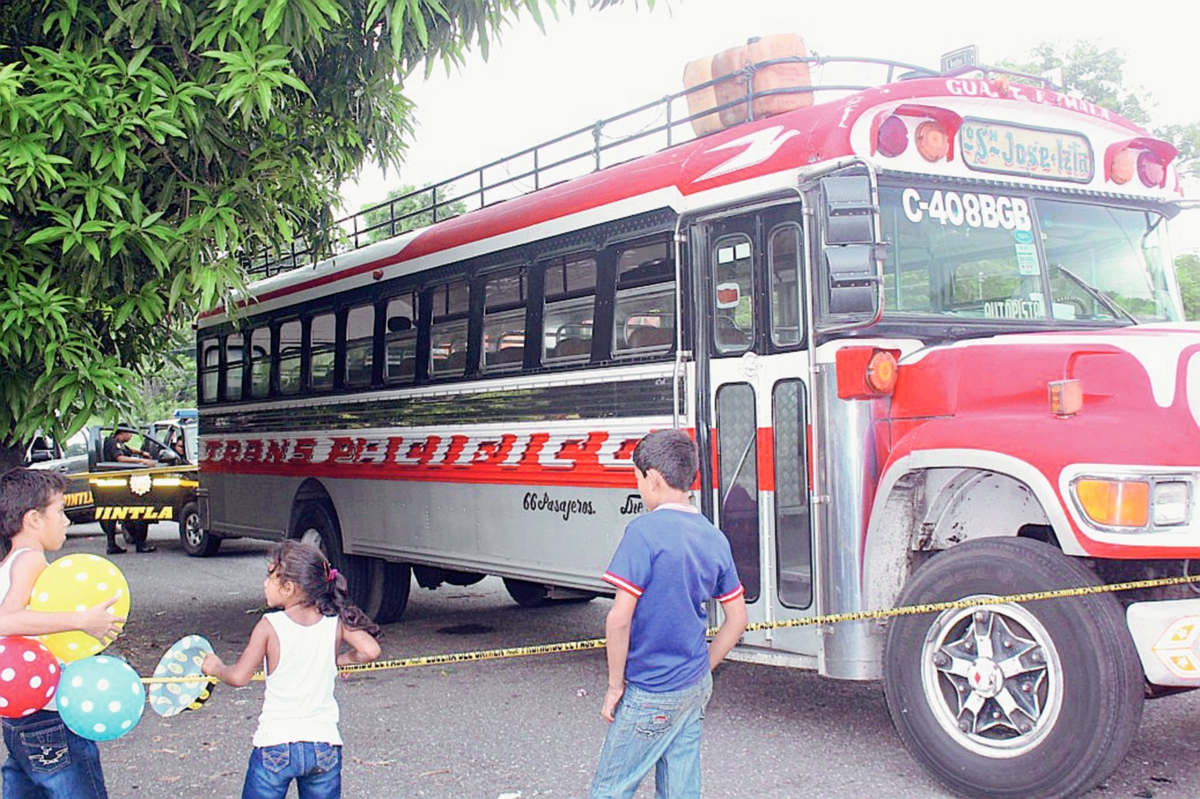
x=297 y=736
x=44 y=756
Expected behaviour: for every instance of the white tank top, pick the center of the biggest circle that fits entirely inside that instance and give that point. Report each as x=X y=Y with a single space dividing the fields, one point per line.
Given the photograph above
x=299 y=704
x=6 y=571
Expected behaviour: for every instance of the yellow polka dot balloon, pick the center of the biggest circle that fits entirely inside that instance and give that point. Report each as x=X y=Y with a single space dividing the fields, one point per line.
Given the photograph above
x=77 y=582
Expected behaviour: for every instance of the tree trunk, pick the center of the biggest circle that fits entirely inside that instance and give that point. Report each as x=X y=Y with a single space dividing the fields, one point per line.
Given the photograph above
x=10 y=456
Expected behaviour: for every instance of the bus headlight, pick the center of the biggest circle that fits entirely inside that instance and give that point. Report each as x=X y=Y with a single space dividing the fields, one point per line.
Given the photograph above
x=1172 y=503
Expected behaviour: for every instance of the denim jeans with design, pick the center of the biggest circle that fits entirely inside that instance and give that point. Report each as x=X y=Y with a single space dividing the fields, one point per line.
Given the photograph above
x=45 y=759
x=659 y=731
x=316 y=768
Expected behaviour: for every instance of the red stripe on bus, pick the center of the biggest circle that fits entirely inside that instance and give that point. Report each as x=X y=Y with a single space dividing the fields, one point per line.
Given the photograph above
x=482 y=475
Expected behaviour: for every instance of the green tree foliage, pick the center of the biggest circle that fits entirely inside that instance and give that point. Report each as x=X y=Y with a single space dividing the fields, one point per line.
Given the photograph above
x=1099 y=76
x=393 y=215
x=144 y=144
x=1188 y=269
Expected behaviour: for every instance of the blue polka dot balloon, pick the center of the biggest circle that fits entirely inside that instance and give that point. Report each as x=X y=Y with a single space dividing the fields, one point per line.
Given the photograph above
x=100 y=697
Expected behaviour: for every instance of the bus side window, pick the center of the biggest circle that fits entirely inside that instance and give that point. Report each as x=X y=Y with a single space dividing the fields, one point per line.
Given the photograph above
x=323 y=333
x=360 y=346
x=504 y=320
x=787 y=314
x=210 y=366
x=400 y=339
x=644 y=318
x=570 y=291
x=289 y=357
x=233 y=367
x=448 y=333
x=260 y=362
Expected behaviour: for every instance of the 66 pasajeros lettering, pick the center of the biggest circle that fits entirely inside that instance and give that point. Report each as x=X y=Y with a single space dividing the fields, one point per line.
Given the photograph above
x=563 y=507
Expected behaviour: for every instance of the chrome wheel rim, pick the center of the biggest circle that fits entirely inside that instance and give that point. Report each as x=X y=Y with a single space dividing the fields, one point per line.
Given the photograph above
x=993 y=678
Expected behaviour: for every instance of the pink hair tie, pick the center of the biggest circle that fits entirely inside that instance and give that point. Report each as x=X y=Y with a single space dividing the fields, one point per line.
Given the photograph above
x=333 y=573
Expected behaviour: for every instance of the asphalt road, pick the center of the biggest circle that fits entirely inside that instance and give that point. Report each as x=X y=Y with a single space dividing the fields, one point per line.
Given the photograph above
x=529 y=726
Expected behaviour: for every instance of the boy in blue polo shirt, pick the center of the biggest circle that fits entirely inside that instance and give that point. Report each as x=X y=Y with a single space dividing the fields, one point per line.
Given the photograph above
x=669 y=563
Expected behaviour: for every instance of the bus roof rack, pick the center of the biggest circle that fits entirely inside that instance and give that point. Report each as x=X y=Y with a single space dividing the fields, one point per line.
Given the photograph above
x=650 y=127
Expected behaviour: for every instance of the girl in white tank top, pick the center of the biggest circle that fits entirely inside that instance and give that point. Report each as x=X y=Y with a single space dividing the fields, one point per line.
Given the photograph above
x=297 y=736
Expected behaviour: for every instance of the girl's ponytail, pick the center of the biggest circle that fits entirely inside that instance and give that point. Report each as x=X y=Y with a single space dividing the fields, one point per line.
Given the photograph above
x=304 y=565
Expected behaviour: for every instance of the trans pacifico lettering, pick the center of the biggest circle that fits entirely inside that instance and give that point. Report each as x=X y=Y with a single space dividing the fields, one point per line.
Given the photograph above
x=558 y=452
x=563 y=507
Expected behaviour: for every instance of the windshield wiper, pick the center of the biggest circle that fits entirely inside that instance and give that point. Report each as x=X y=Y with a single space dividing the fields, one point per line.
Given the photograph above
x=1096 y=294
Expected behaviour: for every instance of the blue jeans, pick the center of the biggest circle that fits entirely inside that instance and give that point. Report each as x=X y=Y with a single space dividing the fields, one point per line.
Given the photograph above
x=45 y=759
x=659 y=730
x=316 y=768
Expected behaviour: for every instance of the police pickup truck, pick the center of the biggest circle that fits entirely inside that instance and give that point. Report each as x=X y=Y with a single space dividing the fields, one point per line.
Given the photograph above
x=135 y=498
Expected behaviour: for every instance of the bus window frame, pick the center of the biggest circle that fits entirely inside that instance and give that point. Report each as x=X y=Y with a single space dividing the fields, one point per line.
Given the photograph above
x=451 y=320
x=575 y=298
x=504 y=310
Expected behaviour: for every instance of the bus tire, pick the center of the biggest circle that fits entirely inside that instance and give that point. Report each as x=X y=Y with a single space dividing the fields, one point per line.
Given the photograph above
x=1062 y=719
x=391 y=584
x=527 y=594
x=197 y=541
x=317 y=524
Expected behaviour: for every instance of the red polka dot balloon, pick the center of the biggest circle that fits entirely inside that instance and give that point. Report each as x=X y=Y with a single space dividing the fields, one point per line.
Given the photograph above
x=28 y=676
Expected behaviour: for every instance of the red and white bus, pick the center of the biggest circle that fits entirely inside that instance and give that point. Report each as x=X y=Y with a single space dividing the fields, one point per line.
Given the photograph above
x=927 y=333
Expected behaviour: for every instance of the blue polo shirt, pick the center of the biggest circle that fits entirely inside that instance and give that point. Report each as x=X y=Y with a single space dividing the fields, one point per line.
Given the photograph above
x=673 y=560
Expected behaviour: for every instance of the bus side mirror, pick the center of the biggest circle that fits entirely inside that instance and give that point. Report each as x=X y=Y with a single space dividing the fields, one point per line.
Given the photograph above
x=853 y=283
x=850 y=210
x=852 y=274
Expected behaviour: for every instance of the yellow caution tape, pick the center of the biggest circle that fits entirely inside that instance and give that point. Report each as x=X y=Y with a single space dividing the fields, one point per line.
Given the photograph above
x=832 y=618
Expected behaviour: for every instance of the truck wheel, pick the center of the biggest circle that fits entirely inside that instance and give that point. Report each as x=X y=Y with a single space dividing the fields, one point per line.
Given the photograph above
x=317 y=524
x=197 y=541
x=1035 y=699
x=390 y=587
x=527 y=594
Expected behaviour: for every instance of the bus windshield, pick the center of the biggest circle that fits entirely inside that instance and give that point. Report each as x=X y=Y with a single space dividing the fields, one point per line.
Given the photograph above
x=997 y=255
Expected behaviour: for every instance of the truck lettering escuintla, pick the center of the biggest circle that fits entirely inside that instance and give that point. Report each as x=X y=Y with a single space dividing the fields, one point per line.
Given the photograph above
x=926 y=331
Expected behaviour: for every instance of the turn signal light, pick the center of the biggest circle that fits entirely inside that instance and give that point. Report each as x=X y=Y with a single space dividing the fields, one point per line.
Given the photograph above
x=892 y=139
x=1114 y=503
x=932 y=142
x=865 y=373
x=1123 y=164
x=881 y=372
x=1066 y=397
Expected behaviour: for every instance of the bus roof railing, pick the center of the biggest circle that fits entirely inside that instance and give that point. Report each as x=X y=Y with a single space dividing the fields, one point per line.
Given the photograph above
x=583 y=152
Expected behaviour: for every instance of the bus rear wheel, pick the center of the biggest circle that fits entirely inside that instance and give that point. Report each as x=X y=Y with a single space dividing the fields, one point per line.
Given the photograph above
x=317 y=524
x=1035 y=699
x=391 y=584
x=197 y=541
x=527 y=594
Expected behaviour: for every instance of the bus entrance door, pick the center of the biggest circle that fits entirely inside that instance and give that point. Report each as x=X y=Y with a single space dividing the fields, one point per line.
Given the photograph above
x=753 y=367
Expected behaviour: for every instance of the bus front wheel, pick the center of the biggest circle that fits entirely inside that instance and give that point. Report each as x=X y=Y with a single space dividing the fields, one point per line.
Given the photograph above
x=317 y=524
x=1035 y=699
